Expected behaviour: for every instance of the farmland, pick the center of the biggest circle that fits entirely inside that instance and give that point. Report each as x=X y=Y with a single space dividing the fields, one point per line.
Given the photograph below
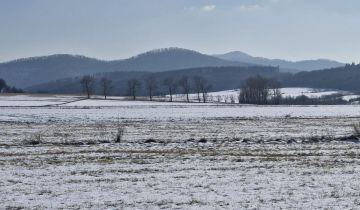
x=58 y=152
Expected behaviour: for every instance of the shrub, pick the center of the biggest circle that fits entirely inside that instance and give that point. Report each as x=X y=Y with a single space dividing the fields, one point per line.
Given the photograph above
x=120 y=133
x=150 y=140
x=356 y=129
x=34 y=139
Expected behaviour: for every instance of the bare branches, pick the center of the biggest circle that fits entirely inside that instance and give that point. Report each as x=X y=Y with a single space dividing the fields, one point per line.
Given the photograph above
x=185 y=86
x=88 y=85
x=260 y=90
x=151 y=85
x=133 y=87
x=106 y=86
x=171 y=85
x=202 y=88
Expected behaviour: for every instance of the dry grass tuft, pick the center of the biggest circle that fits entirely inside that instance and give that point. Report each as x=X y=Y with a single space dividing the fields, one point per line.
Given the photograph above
x=356 y=129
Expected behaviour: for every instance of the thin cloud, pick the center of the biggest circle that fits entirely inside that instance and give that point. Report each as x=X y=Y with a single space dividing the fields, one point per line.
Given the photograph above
x=208 y=8
x=249 y=8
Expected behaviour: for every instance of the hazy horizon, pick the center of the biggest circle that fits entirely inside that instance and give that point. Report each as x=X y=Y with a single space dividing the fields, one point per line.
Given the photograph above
x=278 y=29
x=111 y=59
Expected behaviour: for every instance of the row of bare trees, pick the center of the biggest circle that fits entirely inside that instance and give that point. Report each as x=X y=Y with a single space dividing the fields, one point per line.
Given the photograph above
x=255 y=90
x=184 y=85
x=260 y=90
x=88 y=84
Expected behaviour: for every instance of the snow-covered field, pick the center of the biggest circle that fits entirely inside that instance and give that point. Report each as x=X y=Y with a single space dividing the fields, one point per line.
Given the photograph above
x=309 y=92
x=168 y=111
x=228 y=95
x=176 y=155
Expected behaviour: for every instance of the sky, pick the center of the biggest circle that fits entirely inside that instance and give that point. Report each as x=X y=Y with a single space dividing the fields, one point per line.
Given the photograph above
x=116 y=29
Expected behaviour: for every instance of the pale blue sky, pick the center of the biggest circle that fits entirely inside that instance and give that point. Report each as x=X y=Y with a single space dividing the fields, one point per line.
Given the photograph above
x=112 y=29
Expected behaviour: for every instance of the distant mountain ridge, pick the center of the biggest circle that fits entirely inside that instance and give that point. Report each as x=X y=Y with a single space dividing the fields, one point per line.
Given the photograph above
x=172 y=59
x=36 y=70
x=28 y=72
x=287 y=66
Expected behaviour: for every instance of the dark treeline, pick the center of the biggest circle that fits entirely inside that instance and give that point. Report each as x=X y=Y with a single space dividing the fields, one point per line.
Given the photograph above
x=4 y=88
x=335 y=99
x=255 y=90
x=260 y=90
x=220 y=78
x=342 y=78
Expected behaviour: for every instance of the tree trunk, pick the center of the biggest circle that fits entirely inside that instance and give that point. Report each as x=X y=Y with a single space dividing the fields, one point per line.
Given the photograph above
x=171 y=95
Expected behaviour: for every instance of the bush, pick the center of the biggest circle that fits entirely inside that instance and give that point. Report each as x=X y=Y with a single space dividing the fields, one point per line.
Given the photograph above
x=120 y=133
x=356 y=129
x=34 y=139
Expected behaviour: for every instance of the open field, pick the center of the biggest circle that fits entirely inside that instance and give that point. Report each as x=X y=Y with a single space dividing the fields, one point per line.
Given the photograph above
x=177 y=155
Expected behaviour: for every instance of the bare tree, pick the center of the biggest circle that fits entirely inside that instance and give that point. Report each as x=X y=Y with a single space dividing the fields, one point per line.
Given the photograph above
x=133 y=86
x=240 y=94
x=151 y=85
x=256 y=90
x=197 y=86
x=210 y=98
x=275 y=86
x=202 y=87
x=3 y=85
x=232 y=99
x=171 y=85
x=226 y=98
x=219 y=99
x=185 y=86
x=88 y=85
x=106 y=86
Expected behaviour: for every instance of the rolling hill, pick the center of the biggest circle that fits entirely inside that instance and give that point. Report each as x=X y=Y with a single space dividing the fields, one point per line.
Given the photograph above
x=33 y=71
x=36 y=70
x=341 y=78
x=285 y=66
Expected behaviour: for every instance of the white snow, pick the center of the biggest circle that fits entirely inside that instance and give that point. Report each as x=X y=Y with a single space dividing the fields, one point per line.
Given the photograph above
x=175 y=172
x=38 y=100
x=309 y=92
x=35 y=99
x=226 y=95
x=162 y=110
x=350 y=97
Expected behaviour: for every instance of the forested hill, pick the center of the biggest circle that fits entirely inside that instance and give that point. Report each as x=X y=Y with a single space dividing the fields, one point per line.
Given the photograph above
x=342 y=78
x=31 y=71
x=285 y=66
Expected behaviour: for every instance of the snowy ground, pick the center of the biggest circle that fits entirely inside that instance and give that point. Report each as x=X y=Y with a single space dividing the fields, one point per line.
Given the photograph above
x=228 y=95
x=309 y=92
x=34 y=100
x=200 y=156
